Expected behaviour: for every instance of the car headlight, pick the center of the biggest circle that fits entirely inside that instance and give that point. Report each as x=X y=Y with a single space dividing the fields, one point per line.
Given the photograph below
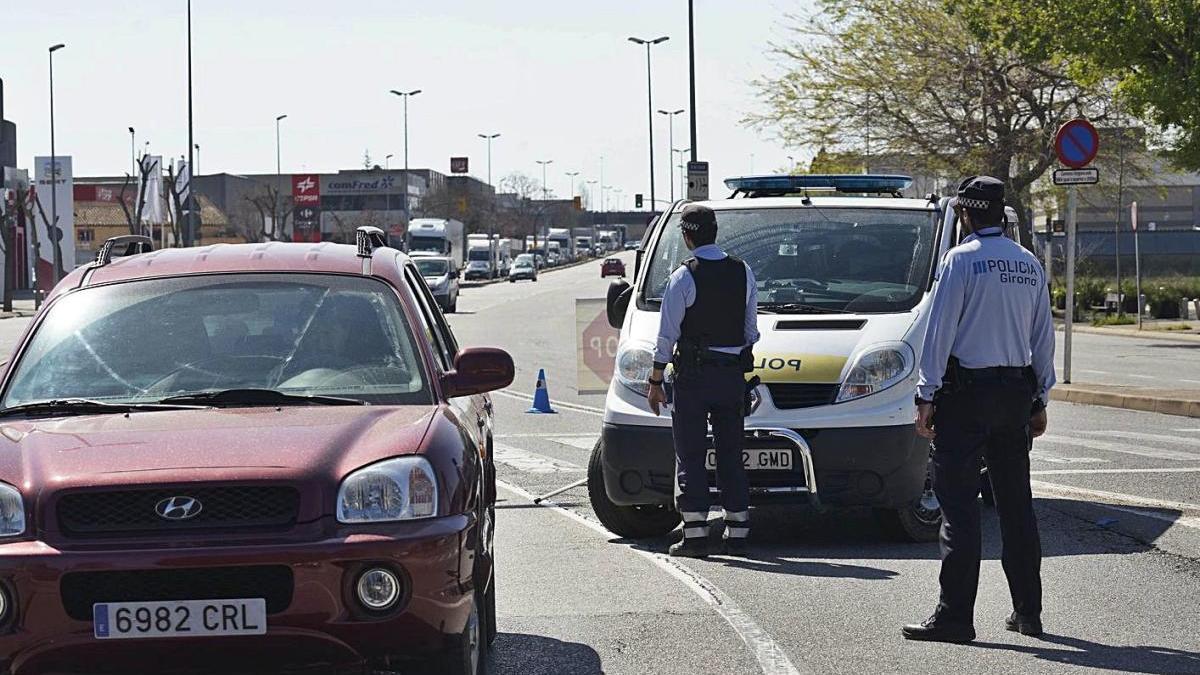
x=875 y=370
x=12 y=511
x=635 y=360
x=396 y=489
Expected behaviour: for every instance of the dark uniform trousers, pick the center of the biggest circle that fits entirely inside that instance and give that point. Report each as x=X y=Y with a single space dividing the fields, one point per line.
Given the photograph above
x=987 y=418
x=710 y=392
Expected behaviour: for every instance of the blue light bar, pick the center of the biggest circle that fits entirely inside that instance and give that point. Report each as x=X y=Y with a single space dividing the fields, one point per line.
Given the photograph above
x=859 y=183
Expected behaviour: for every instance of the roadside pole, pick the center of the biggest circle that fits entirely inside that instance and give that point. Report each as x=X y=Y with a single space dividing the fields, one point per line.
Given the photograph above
x=1049 y=253
x=1137 y=263
x=1071 y=203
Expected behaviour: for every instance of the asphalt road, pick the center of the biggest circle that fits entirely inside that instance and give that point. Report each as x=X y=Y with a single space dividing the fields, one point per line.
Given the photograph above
x=1138 y=362
x=1118 y=506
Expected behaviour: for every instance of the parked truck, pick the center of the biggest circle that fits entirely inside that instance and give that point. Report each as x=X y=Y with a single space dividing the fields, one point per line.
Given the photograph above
x=583 y=246
x=483 y=257
x=441 y=236
x=566 y=245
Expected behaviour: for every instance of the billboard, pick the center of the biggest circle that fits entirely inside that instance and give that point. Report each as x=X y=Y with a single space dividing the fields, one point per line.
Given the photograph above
x=54 y=186
x=306 y=189
x=152 y=212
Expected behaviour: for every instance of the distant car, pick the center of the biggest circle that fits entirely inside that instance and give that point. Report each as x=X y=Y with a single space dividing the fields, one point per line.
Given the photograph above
x=523 y=268
x=441 y=274
x=612 y=267
x=632 y=245
x=294 y=467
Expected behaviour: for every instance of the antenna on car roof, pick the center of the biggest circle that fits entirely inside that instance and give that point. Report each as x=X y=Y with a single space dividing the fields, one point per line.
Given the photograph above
x=368 y=238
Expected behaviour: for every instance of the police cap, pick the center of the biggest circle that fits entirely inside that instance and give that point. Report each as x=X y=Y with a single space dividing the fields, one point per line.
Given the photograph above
x=981 y=193
x=695 y=217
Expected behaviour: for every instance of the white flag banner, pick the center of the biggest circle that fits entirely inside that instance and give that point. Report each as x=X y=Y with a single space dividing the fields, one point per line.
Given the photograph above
x=54 y=177
x=152 y=213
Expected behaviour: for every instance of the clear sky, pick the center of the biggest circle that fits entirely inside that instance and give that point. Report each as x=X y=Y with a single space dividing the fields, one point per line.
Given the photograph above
x=557 y=79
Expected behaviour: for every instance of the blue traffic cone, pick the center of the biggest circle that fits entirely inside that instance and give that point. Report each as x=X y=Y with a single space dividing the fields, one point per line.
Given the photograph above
x=541 y=395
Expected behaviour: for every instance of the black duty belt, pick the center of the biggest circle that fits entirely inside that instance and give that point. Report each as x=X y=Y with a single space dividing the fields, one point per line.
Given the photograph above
x=712 y=358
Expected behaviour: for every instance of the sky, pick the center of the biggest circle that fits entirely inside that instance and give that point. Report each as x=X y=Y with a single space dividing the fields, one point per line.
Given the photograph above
x=557 y=79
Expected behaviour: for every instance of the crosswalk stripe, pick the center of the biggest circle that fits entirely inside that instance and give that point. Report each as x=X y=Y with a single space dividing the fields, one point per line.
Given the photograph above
x=1043 y=456
x=1062 y=472
x=1138 y=435
x=1125 y=449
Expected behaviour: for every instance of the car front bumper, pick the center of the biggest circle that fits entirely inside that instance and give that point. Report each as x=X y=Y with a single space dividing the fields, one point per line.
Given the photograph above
x=856 y=466
x=320 y=624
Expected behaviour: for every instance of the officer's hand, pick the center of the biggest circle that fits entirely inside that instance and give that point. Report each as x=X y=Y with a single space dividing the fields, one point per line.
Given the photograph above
x=925 y=421
x=656 y=397
x=1037 y=423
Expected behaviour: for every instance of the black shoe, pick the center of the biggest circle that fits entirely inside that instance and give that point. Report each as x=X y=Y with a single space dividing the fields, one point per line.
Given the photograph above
x=932 y=630
x=734 y=546
x=1031 y=626
x=690 y=547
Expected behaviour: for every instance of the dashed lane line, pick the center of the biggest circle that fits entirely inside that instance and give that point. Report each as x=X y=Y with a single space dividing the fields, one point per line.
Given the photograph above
x=770 y=656
x=1115 y=499
x=1142 y=436
x=1064 y=472
x=1122 y=448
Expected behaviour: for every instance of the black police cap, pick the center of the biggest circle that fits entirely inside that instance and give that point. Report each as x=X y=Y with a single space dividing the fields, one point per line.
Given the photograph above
x=982 y=193
x=694 y=217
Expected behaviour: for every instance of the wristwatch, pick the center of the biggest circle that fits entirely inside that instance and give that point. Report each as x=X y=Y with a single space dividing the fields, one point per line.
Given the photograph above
x=1038 y=406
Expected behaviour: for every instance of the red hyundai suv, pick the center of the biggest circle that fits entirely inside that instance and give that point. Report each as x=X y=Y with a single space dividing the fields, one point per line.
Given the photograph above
x=243 y=457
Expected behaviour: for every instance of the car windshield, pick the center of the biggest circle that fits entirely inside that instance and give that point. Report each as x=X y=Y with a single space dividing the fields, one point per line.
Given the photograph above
x=840 y=260
x=524 y=261
x=479 y=254
x=431 y=267
x=302 y=334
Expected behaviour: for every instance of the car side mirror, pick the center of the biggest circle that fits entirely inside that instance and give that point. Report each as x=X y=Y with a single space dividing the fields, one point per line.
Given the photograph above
x=478 y=370
x=619 y=295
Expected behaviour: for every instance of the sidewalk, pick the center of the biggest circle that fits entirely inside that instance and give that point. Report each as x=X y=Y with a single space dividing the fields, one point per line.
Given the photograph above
x=20 y=308
x=1152 y=329
x=1184 y=402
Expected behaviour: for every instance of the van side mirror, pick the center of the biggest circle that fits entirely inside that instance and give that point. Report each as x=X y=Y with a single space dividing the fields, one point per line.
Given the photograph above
x=619 y=295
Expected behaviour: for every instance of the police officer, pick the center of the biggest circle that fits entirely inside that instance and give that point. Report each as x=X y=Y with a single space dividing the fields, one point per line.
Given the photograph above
x=708 y=325
x=986 y=370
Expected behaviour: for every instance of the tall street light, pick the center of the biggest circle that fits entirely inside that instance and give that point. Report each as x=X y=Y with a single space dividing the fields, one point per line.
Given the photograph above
x=404 y=181
x=195 y=171
x=278 y=178
x=132 y=152
x=682 y=173
x=387 y=162
x=492 y=219
x=571 y=184
x=692 y=72
x=544 y=163
x=603 y=187
x=189 y=232
x=650 y=104
x=591 y=189
x=671 y=137
x=52 y=231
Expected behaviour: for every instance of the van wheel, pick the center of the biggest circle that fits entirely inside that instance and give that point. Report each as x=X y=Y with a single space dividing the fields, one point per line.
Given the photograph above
x=631 y=522
x=920 y=521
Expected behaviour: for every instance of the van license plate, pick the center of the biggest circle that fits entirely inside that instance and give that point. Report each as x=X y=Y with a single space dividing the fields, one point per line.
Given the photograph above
x=758 y=460
x=179 y=618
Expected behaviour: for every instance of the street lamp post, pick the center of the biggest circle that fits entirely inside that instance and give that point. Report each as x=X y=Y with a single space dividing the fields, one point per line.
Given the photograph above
x=650 y=104
x=387 y=162
x=492 y=216
x=682 y=173
x=52 y=230
x=544 y=163
x=132 y=152
x=278 y=178
x=404 y=181
x=791 y=163
x=692 y=73
x=603 y=187
x=590 y=193
x=571 y=184
x=189 y=231
x=196 y=169
x=671 y=137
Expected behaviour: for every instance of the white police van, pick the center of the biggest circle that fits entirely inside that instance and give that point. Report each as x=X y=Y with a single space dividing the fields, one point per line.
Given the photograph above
x=845 y=269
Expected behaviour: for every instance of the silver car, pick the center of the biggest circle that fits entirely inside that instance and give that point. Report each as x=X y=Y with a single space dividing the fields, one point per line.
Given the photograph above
x=442 y=276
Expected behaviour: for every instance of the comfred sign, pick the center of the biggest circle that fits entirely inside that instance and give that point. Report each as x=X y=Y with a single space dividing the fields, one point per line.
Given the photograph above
x=597 y=345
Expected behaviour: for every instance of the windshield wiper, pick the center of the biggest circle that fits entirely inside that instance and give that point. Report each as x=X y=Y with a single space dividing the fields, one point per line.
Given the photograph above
x=252 y=396
x=799 y=308
x=84 y=406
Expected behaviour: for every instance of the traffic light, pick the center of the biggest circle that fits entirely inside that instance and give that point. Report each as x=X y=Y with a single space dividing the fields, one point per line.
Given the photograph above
x=637 y=200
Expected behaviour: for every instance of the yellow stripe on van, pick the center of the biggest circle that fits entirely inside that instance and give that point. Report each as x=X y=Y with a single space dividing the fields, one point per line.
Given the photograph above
x=815 y=368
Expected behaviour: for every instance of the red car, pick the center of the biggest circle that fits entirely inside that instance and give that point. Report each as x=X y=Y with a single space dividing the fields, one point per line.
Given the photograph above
x=612 y=267
x=246 y=457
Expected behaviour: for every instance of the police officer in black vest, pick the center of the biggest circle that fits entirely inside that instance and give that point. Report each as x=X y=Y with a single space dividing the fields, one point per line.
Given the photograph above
x=987 y=367
x=707 y=327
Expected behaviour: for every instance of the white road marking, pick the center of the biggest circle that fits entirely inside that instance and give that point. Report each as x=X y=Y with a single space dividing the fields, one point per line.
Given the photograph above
x=1125 y=449
x=582 y=443
x=1185 y=430
x=1056 y=472
x=1095 y=372
x=523 y=460
x=554 y=404
x=1113 y=497
x=1042 y=456
x=548 y=434
x=1139 y=436
x=771 y=657
x=1189 y=381
x=1141 y=377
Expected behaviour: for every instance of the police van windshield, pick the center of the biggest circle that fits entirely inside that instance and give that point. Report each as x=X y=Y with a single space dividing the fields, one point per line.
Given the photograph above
x=860 y=260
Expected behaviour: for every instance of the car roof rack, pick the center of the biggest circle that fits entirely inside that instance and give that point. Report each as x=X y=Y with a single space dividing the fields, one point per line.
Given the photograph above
x=368 y=238
x=782 y=186
x=134 y=244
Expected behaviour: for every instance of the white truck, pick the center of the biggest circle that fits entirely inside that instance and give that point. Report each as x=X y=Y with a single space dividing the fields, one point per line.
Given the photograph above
x=442 y=236
x=583 y=246
x=566 y=245
x=607 y=240
x=508 y=250
x=483 y=257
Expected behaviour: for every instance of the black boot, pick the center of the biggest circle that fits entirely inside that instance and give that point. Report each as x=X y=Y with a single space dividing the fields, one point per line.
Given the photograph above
x=1025 y=625
x=690 y=547
x=935 y=630
x=735 y=546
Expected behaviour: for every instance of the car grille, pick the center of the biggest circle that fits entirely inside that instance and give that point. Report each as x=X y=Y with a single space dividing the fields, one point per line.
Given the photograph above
x=792 y=396
x=133 y=512
x=81 y=590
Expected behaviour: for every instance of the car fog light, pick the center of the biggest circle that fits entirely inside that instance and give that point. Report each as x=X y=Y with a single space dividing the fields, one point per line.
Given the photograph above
x=378 y=589
x=4 y=604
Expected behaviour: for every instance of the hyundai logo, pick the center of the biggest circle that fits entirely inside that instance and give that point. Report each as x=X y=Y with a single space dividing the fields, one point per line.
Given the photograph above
x=178 y=508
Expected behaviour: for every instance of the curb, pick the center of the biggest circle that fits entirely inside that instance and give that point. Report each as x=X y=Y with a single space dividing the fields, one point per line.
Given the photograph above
x=1139 y=402
x=1172 y=336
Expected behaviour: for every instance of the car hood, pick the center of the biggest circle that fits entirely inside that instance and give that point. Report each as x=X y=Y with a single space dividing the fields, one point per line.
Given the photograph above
x=309 y=443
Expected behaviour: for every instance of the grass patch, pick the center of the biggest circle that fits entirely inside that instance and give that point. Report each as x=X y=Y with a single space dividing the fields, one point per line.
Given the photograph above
x=1174 y=326
x=1113 y=320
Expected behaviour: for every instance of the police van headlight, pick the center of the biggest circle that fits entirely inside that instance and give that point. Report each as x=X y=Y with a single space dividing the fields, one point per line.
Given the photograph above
x=877 y=369
x=635 y=360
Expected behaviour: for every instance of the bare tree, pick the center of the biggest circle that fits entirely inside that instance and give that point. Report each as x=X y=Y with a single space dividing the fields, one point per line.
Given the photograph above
x=274 y=209
x=134 y=218
x=177 y=189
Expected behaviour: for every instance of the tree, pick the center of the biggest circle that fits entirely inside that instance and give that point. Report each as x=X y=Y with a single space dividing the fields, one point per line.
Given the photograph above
x=177 y=189
x=1149 y=48
x=273 y=210
x=906 y=78
x=134 y=217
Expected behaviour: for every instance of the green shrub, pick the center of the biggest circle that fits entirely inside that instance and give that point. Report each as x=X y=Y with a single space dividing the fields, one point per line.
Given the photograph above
x=1113 y=320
